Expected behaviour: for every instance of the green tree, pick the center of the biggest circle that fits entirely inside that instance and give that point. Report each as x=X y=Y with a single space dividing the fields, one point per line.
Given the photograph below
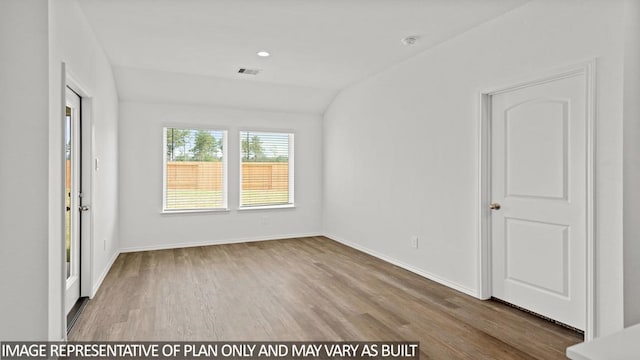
x=176 y=139
x=275 y=157
x=252 y=148
x=205 y=146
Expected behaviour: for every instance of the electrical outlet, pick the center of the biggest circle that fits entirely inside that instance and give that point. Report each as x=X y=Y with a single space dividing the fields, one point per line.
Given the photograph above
x=413 y=241
x=105 y=244
x=264 y=220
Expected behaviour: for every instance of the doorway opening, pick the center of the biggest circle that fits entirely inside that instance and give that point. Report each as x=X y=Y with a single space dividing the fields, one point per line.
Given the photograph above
x=75 y=206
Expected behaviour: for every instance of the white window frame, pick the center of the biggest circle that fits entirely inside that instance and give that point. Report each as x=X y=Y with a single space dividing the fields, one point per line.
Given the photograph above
x=225 y=168
x=291 y=164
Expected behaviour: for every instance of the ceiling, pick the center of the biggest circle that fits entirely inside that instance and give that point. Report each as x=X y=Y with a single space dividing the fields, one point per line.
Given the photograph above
x=320 y=44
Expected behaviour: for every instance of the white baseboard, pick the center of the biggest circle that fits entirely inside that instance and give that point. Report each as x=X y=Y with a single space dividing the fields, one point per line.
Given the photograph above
x=451 y=284
x=215 y=242
x=105 y=271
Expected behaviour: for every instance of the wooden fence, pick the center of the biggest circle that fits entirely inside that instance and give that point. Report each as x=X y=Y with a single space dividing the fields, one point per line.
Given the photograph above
x=68 y=175
x=203 y=175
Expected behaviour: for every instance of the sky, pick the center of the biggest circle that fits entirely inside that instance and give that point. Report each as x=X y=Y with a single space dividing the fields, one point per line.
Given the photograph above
x=273 y=144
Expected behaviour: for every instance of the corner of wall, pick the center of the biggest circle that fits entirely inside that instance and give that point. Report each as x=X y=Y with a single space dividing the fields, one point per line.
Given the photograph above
x=631 y=151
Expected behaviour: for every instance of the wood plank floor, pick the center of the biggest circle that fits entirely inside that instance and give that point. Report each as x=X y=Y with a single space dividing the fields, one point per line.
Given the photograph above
x=307 y=289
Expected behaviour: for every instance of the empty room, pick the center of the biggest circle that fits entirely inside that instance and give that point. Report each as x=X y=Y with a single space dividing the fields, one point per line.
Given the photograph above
x=433 y=179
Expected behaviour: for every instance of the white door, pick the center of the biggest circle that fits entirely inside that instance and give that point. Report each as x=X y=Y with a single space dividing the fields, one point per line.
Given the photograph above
x=72 y=199
x=539 y=183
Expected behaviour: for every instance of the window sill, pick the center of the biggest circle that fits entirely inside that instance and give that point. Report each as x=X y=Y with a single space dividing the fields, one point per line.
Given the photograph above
x=267 y=207
x=193 y=211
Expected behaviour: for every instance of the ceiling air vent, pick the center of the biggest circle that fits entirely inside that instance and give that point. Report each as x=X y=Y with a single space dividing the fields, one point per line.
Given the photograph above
x=248 y=71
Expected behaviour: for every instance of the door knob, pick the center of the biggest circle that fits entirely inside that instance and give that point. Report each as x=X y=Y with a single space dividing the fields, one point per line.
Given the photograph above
x=83 y=208
x=494 y=206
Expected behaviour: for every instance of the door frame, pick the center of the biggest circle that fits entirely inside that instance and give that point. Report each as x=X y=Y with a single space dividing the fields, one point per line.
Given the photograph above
x=588 y=70
x=87 y=186
x=75 y=129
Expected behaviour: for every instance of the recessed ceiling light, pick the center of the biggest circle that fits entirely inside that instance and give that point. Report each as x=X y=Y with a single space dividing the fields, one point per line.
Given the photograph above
x=410 y=40
x=264 y=54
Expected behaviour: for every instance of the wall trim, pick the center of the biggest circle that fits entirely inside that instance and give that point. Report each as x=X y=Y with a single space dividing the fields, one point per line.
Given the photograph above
x=106 y=270
x=411 y=268
x=588 y=70
x=217 y=242
x=57 y=279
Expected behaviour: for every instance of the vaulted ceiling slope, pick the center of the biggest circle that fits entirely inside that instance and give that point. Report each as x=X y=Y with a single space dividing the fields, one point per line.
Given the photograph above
x=317 y=47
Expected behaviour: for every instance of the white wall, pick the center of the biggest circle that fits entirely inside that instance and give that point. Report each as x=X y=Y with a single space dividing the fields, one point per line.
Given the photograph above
x=72 y=41
x=401 y=147
x=23 y=169
x=631 y=164
x=247 y=94
x=35 y=38
x=142 y=224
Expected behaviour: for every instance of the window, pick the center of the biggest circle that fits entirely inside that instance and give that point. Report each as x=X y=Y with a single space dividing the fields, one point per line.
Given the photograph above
x=195 y=167
x=266 y=177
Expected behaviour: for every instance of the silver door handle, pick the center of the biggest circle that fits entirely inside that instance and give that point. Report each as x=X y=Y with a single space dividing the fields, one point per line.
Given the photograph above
x=494 y=206
x=83 y=208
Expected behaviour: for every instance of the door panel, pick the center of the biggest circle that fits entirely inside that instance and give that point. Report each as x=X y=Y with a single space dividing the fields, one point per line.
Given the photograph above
x=538 y=176
x=527 y=243
x=536 y=146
